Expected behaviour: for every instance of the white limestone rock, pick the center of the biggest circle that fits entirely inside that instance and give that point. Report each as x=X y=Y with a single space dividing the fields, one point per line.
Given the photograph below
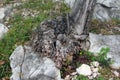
x=95 y=70
x=95 y=75
x=110 y=9
x=2 y=14
x=67 y=77
x=89 y=71
x=111 y=41
x=90 y=77
x=116 y=73
x=95 y=64
x=99 y=11
x=74 y=73
x=26 y=65
x=70 y=3
x=84 y=69
x=111 y=79
x=3 y=30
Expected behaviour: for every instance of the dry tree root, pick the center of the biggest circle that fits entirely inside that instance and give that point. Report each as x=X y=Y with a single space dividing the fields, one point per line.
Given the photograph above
x=55 y=39
x=61 y=38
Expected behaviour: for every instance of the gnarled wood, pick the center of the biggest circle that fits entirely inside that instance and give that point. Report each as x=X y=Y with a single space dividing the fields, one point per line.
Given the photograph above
x=60 y=38
x=81 y=14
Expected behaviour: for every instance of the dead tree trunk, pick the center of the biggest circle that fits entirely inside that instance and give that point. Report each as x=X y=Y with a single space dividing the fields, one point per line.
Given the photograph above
x=82 y=13
x=60 y=38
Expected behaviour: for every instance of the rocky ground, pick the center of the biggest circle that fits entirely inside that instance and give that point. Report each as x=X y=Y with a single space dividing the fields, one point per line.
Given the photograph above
x=18 y=18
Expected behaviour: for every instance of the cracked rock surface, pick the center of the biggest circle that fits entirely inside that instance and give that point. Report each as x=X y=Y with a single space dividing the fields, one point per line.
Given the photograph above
x=28 y=66
x=110 y=9
x=101 y=41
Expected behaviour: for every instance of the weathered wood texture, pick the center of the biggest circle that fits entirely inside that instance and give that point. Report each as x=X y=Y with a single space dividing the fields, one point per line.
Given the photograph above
x=82 y=13
x=60 y=38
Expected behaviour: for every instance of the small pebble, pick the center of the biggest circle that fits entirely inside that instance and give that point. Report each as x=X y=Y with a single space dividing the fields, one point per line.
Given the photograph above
x=74 y=73
x=67 y=77
x=95 y=64
x=90 y=77
x=116 y=73
x=95 y=70
x=95 y=75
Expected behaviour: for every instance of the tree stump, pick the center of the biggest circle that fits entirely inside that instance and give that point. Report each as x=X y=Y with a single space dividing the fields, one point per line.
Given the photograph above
x=62 y=37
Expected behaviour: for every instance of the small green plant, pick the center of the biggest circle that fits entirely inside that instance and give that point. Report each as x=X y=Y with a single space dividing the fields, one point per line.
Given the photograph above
x=101 y=57
x=100 y=78
x=81 y=77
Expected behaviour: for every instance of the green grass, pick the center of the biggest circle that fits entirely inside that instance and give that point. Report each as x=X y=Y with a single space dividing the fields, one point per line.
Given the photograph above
x=101 y=56
x=105 y=27
x=100 y=78
x=21 y=29
x=81 y=77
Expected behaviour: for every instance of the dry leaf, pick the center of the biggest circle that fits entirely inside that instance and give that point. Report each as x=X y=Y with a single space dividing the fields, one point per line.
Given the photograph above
x=69 y=58
x=6 y=78
x=2 y=62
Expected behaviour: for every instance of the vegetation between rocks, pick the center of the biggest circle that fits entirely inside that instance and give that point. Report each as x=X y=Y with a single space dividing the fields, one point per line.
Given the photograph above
x=86 y=57
x=106 y=28
x=21 y=26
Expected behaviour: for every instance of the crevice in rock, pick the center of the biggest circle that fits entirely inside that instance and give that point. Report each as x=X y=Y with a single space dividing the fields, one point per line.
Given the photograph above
x=21 y=68
x=32 y=73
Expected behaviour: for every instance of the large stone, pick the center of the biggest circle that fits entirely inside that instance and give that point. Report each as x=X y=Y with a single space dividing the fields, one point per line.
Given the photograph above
x=107 y=9
x=112 y=41
x=3 y=30
x=26 y=65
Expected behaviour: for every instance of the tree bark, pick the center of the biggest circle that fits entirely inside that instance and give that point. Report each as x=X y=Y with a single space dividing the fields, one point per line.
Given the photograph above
x=61 y=38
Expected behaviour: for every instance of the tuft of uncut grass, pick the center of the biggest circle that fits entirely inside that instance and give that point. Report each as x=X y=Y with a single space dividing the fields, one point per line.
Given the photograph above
x=21 y=29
